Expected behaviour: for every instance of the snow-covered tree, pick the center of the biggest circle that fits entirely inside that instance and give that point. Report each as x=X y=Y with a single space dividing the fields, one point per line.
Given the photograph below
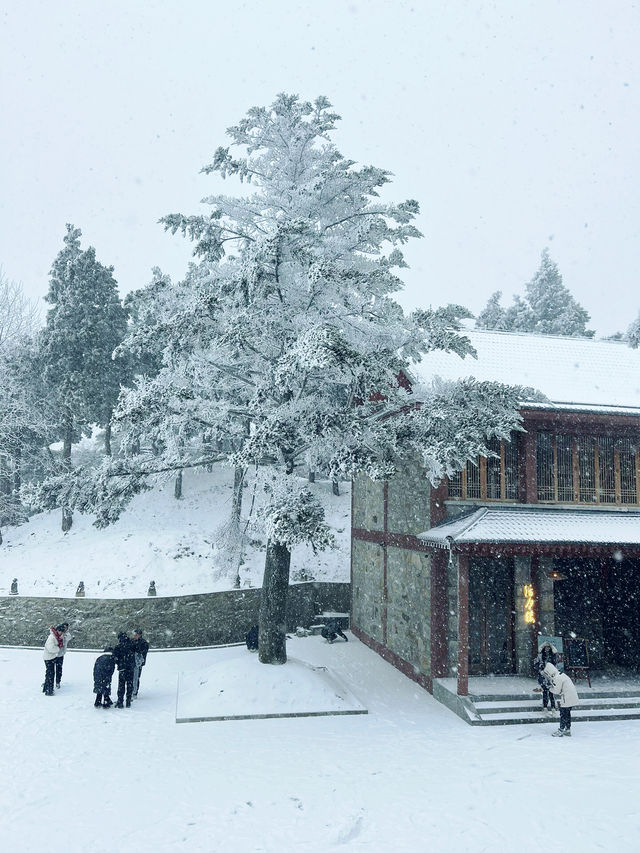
x=18 y=315
x=548 y=307
x=27 y=424
x=633 y=333
x=493 y=314
x=288 y=343
x=84 y=326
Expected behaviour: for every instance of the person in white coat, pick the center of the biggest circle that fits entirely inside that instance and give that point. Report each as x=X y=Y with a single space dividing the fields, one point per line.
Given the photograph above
x=66 y=636
x=566 y=697
x=52 y=647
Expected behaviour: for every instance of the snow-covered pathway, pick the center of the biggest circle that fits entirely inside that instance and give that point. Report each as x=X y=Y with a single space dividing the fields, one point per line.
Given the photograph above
x=409 y=776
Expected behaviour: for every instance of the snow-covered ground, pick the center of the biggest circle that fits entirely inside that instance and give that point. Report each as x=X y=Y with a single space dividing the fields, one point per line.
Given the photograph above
x=409 y=776
x=173 y=542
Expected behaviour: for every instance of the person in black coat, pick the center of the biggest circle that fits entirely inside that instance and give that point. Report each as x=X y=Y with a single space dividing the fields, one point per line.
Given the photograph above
x=547 y=654
x=140 y=649
x=102 y=674
x=124 y=654
x=252 y=639
x=332 y=630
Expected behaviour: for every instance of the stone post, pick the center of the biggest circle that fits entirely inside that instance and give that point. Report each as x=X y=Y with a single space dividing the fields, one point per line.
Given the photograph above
x=525 y=631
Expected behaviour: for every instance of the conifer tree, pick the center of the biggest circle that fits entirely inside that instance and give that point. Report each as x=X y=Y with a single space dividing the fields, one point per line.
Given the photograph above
x=285 y=342
x=548 y=307
x=493 y=314
x=633 y=333
x=84 y=326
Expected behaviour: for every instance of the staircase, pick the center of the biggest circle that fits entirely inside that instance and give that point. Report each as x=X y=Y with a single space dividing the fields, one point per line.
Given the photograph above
x=485 y=709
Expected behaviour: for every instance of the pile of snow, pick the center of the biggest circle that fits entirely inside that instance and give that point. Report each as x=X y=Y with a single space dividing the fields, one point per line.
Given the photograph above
x=176 y=543
x=238 y=686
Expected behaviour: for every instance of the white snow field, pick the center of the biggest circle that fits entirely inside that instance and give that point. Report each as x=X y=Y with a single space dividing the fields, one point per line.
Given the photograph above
x=172 y=542
x=407 y=776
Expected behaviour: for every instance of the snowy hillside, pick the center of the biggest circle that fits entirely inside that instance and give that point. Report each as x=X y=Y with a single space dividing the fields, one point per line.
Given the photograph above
x=173 y=542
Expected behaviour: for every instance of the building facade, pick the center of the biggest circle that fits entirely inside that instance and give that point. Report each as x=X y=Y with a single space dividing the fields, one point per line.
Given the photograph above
x=541 y=537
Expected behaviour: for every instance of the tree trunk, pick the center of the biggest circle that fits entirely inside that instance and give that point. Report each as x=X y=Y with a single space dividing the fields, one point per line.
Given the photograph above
x=107 y=438
x=335 y=485
x=5 y=477
x=272 y=626
x=312 y=476
x=238 y=484
x=17 y=471
x=67 y=515
x=177 y=491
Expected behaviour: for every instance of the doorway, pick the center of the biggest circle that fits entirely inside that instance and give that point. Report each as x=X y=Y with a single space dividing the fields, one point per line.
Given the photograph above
x=491 y=616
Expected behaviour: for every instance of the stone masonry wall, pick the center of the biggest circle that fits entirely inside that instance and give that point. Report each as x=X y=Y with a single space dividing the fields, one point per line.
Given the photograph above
x=168 y=622
x=409 y=607
x=367 y=567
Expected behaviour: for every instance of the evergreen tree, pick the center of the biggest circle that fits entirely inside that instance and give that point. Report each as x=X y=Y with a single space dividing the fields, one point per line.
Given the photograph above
x=290 y=345
x=633 y=333
x=84 y=326
x=548 y=308
x=493 y=314
x=27 y=424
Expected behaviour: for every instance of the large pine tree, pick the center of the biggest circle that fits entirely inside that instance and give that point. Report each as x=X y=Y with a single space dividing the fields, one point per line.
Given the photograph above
x=84 y=326
x=284 y=342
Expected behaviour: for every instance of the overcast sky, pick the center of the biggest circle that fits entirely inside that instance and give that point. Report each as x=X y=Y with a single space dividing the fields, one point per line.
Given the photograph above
x=513 y=123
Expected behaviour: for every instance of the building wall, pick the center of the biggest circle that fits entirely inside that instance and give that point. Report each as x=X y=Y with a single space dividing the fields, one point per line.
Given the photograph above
x=368 y=588
x=368 y=503
x=409 y=607
x=391 y=580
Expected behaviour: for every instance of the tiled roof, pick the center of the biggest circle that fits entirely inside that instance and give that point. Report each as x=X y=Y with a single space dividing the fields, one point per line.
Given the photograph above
x=540 y=526
x=574 y=372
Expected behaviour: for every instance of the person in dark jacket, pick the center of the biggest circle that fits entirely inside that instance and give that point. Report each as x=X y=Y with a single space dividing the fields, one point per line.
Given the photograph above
x=140 y=649
x=124 y=655
x=332 y=630
x=102 y=674
x=547 y=654
x=252 y=639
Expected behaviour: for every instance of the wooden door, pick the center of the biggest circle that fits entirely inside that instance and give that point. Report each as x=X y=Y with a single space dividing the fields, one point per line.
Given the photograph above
x=491 y=620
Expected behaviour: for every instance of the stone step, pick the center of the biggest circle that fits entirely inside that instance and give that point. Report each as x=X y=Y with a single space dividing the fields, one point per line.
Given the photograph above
x=584 y=696
x=534 y=705
x=515 y=718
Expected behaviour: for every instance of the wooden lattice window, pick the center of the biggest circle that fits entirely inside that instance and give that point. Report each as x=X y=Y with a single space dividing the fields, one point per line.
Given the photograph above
x=587 y=469
x=490 y=478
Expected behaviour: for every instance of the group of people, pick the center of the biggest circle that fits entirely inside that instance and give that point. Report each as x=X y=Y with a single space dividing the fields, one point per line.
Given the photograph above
x=556 y=687
x=129 y=656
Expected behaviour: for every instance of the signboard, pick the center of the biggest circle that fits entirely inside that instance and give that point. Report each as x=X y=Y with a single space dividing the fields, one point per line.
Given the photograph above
x=577 y=652
x=559 y=646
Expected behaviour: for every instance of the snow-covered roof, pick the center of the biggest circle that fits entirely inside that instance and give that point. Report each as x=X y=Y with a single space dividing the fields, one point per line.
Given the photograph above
x=577 y=373
x=541 y=526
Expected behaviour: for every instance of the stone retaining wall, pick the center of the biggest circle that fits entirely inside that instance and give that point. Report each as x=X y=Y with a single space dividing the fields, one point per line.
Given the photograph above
x=168 y=622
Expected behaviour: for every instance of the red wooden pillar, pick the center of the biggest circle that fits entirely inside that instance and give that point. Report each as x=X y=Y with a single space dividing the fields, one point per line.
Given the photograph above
x=463 y=625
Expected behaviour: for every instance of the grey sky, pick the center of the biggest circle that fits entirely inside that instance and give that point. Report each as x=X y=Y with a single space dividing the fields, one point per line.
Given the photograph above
x=513 y=123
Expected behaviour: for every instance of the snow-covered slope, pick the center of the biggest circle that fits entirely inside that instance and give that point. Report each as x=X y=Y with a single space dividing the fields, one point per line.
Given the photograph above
x=173 y=542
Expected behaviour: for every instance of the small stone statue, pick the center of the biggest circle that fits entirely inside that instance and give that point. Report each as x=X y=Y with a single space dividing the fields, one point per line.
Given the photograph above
x=80 y=590
x=14 y=586
x=152 y=588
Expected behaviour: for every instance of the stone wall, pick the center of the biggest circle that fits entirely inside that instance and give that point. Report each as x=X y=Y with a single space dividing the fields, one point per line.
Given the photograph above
x=168 y=622
x=367 y=578
x=391 y=584
x=409 y=496
x=409 y=607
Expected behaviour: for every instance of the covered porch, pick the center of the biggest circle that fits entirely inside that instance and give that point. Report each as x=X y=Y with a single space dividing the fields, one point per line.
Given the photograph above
x=504 y=575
